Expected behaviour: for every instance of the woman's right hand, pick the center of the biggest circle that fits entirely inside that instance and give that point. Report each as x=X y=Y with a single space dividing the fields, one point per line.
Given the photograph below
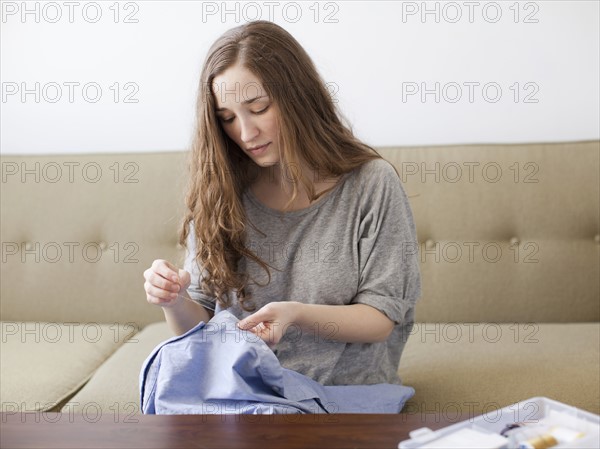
x=165 y=283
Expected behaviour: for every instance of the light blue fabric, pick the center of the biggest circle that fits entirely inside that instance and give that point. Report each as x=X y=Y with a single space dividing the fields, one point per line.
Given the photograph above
x=217 y=368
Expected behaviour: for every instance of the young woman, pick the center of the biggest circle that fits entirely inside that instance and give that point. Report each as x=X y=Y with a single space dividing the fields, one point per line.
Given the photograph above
x=295 y=226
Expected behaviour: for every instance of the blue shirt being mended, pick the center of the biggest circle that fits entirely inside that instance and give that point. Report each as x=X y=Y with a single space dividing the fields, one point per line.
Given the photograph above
x=217 y=368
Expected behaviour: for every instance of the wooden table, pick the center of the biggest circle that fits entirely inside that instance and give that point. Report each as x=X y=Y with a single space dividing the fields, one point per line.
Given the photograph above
x=56 y=430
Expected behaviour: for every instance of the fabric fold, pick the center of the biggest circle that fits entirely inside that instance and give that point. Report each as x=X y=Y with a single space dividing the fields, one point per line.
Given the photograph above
x=217 y=368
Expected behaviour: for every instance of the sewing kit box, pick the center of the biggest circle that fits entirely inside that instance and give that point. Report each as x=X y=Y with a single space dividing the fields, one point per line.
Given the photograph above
x=534 y=423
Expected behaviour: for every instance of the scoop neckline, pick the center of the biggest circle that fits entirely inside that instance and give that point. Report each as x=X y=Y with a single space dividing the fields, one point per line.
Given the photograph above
x=295 y=213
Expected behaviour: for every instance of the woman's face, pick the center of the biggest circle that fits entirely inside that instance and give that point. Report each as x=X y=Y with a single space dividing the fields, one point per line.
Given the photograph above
x=248 y=116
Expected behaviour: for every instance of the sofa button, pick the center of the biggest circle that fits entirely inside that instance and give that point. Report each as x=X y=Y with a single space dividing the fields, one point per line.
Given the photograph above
x=597 y=239
x=429 y=244
x=103 y=246
x=514 y=241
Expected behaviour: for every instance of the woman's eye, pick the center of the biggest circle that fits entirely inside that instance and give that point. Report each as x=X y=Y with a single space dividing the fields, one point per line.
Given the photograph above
x=262 y=111
x=229 y=120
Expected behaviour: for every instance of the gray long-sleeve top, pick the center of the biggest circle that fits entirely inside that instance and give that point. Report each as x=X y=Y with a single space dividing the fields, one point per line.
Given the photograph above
x=356 y=245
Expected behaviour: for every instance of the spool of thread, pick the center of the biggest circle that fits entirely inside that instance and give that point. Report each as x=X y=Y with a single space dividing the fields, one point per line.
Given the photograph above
x=555 y=436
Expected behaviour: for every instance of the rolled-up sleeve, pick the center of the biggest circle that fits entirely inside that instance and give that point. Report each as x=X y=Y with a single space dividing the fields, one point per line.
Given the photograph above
x=191 y=266
x=389 y=278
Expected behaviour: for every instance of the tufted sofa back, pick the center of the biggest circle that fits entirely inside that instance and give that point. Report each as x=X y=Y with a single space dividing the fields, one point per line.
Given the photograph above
x=507 y=233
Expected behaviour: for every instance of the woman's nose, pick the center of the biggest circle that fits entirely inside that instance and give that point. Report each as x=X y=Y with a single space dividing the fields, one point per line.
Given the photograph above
x=248 y=130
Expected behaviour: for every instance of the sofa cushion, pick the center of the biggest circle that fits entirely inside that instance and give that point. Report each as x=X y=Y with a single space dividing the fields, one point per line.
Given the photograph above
x=42 y=364
x=459 y=369
x=114 y=388
x=462 y=370
x=108 y=224
x=501 y=228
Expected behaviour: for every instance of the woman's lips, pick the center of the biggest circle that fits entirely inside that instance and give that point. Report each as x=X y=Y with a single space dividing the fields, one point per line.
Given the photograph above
x=259 y=150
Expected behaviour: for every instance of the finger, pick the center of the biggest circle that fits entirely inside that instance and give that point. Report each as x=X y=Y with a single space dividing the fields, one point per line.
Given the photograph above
x=260 y=328
x=260 y=331
x=166 y=269
x=164 y=284
x=252 y=321
x=185 y=278
x=159 y=302
x=159 y=293
x=266 y=334
x=156 y=301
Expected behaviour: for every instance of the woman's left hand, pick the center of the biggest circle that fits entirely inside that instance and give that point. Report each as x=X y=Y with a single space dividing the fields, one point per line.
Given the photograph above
x=271 y=321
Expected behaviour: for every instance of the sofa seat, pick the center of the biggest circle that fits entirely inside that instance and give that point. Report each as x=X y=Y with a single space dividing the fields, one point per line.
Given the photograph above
x=61 y=358
x=114 y=387
x=500 y=364
x=461 y=369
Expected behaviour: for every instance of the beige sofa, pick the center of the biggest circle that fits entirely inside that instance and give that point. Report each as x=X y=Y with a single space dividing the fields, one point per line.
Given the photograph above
x=509 y=245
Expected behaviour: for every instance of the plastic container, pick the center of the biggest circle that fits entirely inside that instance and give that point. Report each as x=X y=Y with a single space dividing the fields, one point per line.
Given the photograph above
x=542 y=422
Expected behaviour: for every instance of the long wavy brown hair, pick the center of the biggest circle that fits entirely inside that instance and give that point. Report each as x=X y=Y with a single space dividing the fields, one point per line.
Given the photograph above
x=311 y=130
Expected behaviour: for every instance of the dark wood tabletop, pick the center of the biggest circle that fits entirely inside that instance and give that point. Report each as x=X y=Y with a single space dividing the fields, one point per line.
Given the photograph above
x=56 y=430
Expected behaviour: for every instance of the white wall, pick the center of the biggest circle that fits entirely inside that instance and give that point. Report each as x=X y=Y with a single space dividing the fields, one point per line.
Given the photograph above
x=372 y=54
